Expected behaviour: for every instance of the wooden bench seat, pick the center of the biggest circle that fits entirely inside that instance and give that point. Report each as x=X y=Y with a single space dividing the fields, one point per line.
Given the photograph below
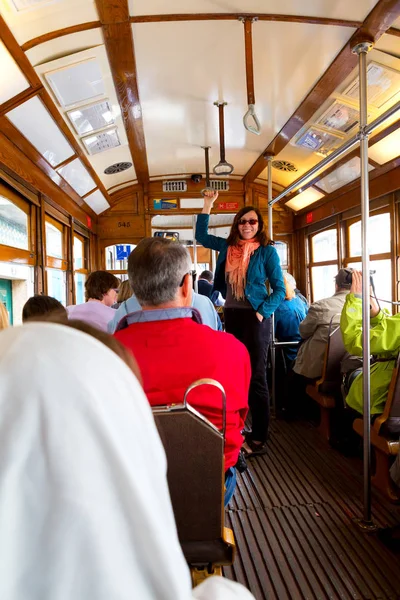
x=324 y=390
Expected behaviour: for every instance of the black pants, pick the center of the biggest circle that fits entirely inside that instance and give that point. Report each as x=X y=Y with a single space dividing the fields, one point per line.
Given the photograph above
x=256 y=336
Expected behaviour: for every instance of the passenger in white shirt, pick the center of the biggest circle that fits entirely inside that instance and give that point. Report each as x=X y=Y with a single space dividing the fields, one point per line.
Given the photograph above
x=85 y=511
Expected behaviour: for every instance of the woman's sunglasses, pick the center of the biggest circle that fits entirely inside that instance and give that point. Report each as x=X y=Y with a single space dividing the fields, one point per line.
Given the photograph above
x=250 y=221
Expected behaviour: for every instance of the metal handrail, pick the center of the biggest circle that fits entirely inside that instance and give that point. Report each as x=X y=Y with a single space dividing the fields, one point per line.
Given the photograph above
x=213 y=382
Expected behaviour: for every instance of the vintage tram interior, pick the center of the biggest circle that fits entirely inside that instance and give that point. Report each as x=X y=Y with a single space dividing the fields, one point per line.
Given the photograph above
x=106 y=108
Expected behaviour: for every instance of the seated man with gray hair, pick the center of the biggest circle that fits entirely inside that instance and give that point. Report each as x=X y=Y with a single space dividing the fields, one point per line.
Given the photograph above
x=173 y=349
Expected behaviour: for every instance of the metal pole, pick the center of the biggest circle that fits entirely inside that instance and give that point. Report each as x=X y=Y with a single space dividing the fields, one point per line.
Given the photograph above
x=194 y=219
x=362 y=49
x=338 y=153
x=270 y=234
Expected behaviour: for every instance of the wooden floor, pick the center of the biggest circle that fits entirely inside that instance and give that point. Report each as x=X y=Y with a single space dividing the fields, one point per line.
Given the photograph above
x=293 y=518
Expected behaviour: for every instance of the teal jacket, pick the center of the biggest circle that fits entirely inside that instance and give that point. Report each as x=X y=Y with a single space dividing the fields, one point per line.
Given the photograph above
x=385 y=343
x=264 y=266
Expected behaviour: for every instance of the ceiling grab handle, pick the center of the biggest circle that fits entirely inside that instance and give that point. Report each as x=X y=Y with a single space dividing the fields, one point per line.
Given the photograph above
x=208 y=187
x=251 y=99
x=251 y=113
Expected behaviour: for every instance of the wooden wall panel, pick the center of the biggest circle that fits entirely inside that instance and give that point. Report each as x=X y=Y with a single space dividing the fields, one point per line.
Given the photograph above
x=119 y=228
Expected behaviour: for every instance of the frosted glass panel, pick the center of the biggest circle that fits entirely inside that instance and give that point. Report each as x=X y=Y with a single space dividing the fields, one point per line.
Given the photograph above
x=57 y=285
x=37 y=125
x=54 y=244
x=79 y=82
x=12 y=81
x=77 y=177
x=323 y=281
x=379 y=238
x=97 y=202
x=78 y=253
x=13 y=225
x=324 y=245
x=90 y=118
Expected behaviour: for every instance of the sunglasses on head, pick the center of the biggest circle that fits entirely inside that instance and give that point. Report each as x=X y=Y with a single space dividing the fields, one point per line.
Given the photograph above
x=249 y=221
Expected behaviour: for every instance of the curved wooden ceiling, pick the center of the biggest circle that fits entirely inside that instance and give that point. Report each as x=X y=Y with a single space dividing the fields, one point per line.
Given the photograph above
x=163 y=65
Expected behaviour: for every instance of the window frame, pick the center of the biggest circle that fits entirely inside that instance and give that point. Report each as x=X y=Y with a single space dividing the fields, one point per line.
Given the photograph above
x=11 y=253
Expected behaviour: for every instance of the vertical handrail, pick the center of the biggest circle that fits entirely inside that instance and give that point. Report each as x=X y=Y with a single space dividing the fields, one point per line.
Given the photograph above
x=362 y=49
x=196 y=283
x=270 y=234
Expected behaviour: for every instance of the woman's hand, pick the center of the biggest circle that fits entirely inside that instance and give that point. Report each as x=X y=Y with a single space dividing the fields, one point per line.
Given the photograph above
x=210 y=197
x=259 y=317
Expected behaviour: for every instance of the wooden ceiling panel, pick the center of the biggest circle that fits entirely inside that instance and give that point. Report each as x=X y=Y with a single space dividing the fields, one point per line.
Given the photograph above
x=190 y=67
x=356 y=9
x=29 y=24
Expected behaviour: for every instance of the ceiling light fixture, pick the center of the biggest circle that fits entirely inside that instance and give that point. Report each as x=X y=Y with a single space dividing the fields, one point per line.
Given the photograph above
x=223 y=167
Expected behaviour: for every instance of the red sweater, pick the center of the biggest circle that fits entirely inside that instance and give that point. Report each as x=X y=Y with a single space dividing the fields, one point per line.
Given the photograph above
x=173 y=354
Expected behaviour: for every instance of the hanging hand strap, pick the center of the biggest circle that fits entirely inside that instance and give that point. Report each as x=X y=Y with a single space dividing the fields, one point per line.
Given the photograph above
x=251 y=114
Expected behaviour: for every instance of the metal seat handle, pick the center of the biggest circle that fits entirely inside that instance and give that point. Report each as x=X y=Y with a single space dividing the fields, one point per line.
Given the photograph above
x=213 y=382
x=251 y=114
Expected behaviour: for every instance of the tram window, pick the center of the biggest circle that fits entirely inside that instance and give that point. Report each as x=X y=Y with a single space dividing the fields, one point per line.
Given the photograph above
x=80 y=279
x=323 y=281
x=379 y=241
x=324 y=245
x=80 y=272
x=117 y=257
x=56 y=285
x=78 y=253
x=282 y=250
x=54 y=240
x=13 y=225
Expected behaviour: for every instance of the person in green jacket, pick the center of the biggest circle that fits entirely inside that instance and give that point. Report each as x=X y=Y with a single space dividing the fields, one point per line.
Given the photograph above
x=385 y=346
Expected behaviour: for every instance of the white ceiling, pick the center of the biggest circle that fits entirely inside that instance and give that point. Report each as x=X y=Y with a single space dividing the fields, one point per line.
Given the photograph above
x=178 y=83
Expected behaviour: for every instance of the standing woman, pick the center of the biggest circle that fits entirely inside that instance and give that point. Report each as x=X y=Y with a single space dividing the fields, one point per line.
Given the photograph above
x=246 y=261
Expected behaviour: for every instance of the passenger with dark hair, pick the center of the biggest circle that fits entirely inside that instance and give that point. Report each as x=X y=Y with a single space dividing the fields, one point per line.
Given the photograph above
x=85 y=511
x=39 y=305
x=101 y=290
x=205 y=283
x=246 y=262
x=166 y=332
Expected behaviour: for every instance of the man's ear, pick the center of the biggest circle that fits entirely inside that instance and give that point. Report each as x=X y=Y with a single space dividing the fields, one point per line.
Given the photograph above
x=187 y=290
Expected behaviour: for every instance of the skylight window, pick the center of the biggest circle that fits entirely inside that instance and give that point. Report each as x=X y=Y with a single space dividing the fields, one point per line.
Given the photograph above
x=77 y=177
x=77 y=83
x=309 y=196
x=91 y=118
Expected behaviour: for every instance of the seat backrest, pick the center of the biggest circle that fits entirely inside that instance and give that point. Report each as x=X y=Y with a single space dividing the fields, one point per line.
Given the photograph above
x=195 y=455
x=335 y=351
x=389 y=422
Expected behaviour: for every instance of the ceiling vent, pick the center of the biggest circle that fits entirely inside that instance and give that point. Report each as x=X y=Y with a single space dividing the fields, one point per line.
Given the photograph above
x=117 y=168
x=219 y=186
x=174 y=186
x=284 y=165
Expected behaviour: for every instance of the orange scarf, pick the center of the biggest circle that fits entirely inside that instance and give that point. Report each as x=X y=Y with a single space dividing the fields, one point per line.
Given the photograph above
x=237 y=263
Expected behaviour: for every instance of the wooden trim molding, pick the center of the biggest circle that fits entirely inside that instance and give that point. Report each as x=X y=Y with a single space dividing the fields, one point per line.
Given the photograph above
x=377 y=22
x=117 y=30
x=53 y=35
x=236 y=16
